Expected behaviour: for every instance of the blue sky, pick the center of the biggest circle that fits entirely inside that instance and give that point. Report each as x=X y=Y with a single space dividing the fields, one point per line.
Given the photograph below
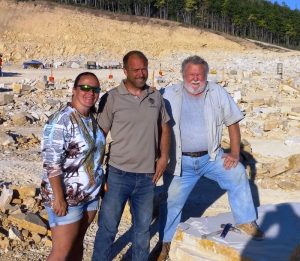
x=293 y=4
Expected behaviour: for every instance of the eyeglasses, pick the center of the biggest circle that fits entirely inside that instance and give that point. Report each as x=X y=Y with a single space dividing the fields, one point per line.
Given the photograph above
x=87 y=88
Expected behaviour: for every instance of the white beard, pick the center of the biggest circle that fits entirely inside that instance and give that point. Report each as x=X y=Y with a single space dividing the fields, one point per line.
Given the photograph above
x=194 y=91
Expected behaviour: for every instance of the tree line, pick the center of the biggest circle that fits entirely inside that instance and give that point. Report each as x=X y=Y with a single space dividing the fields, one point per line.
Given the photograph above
x=255 y=19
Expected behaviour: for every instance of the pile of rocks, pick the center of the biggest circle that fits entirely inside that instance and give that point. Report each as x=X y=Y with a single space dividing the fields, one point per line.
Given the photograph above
x=23 y=219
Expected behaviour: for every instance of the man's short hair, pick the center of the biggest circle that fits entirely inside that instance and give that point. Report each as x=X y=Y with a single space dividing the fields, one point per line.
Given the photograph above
x=134 y=53
x=195 y=59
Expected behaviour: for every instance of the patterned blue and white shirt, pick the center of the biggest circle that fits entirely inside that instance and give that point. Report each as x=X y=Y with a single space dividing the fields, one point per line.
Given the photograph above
x=72 y=147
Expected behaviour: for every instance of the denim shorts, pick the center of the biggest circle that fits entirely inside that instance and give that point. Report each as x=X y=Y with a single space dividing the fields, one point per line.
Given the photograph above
x=74 y=213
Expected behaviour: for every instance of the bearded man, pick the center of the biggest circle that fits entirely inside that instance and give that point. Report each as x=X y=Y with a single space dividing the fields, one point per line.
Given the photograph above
x=198 y=109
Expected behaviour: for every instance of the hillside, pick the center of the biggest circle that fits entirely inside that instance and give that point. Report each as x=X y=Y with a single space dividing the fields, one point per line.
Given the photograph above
x=43 y=30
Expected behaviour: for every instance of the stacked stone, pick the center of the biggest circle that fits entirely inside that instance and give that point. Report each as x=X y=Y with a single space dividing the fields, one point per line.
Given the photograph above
x=23 y=219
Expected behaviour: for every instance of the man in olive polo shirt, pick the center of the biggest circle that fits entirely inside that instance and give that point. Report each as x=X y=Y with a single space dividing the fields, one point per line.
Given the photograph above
x=136 y=116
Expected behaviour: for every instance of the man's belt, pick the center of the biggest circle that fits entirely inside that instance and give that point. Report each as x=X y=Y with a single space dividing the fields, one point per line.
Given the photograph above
x=195 y=154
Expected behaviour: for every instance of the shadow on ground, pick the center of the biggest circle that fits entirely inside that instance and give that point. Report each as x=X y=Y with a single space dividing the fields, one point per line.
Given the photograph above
x=205 y=193
x=281 y=224
x=10 y=74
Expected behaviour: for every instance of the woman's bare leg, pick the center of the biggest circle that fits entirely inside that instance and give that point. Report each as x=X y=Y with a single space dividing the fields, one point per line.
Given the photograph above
x=67 y=240
x=77 y=252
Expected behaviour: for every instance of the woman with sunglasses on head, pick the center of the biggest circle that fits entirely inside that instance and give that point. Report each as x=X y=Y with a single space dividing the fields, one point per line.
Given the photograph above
x=72 y=151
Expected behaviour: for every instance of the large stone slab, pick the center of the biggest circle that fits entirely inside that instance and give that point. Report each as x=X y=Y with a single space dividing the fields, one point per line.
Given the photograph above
x=281 y=224
x=29 y=221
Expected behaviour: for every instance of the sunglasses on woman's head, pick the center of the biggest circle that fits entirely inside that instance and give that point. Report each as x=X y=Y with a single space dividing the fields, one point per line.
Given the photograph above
x=87 y=88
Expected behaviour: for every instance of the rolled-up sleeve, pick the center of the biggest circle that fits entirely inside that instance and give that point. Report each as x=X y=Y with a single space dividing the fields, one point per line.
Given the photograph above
x=231 y=112
x=53 y=148
x=163 y=112
x=105 y=112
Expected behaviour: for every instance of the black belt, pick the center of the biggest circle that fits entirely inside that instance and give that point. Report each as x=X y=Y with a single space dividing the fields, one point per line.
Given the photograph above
x=195 y=154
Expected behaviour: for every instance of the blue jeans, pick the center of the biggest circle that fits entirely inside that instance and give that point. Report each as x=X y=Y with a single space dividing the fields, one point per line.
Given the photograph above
x=139 y=189
x=234 y=180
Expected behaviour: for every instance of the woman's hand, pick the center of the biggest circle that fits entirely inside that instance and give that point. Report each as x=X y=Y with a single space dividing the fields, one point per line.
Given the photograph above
x=59 y=207
x=59 y=203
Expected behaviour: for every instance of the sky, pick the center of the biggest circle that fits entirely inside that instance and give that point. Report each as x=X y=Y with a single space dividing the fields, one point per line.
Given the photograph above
x=293 y=4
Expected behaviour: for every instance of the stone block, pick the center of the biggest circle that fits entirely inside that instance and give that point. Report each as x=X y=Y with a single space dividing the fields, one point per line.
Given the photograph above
x=36 y=238
x=17 y=88
x=258 y=102
x=29 y=221
x=6 y=98
x=35 y=115
x=294 y=162
x=29 y=202
x=47 y=107
x=26 y=88
x=40 y=86
x=25 y=233
x=12 y=209
x=15 y=234
x=270 y=125
x=278 y=167
x=4 y=243
x=280 y=223
x=43 y=214
x=47 y=242
x=288 y=89
x=5 y=198
x=5 y=139
x=17 y=201
x=24 y=191
x=19 y=119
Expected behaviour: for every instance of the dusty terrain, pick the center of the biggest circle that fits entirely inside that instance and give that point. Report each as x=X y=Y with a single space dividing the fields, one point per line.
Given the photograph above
x=36 y=30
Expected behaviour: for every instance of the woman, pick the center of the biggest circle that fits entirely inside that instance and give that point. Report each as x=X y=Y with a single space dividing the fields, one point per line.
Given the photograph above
x=72 y=150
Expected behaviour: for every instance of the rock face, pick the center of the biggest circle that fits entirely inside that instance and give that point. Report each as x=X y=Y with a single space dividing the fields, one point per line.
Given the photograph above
x=281 y=224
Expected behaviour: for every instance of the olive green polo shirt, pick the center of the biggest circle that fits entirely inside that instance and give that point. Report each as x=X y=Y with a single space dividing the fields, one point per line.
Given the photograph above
x=134 y=123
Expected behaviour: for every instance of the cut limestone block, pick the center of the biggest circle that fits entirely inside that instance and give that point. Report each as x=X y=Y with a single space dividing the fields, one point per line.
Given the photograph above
x=270 y=125
x=6 y=98
x=5 y=198
x=281 y=224
x=29 y=221
x=24 y=191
